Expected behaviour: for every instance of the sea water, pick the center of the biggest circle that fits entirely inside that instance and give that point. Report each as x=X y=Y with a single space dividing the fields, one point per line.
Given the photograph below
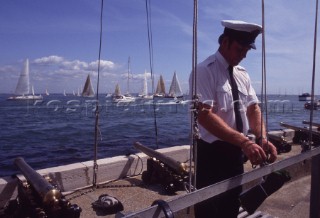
x=61 y=129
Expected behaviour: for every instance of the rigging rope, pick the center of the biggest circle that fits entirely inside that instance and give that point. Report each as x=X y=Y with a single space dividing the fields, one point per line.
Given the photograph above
x=264 y=78
x=150 y=45
x=195 y=101
x=313 y=76
x=95 y=165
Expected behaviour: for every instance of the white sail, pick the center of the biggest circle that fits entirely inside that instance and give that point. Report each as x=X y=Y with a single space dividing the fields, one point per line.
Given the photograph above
x=32 y=90
x=175 y=88
x=145 y=85
x=23 y=82
x=88 y=89
x=22 y=91
x=128 y=77
x=144 y=92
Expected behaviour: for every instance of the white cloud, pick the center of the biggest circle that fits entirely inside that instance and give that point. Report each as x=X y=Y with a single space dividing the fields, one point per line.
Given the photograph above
x=104 y=65
x=53 y=59
x=75 y=65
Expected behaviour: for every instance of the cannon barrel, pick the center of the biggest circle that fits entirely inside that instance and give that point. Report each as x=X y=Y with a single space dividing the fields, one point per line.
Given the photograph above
x=313 y=123
x=49 y=195
x=296 y=128
x=176 y=166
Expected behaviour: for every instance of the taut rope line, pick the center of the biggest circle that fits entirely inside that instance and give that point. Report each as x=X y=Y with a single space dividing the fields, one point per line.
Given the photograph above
x=148 y=11
x=95 y=165
x=264 y=98
x=313 y=76
x=195 y=101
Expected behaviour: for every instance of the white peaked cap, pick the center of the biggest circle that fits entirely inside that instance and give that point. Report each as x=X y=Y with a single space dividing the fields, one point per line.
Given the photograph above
x=241 y=25
x=243 y=32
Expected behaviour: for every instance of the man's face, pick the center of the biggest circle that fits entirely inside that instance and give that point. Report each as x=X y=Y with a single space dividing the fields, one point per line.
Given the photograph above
x=234 y=52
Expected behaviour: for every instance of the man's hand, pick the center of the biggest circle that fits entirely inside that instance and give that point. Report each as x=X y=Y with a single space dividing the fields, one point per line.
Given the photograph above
x=254 y=153
x=257 y=154
x=270 y=150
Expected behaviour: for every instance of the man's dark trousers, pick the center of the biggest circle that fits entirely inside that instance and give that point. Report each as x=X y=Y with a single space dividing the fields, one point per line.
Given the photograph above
x=218 y=161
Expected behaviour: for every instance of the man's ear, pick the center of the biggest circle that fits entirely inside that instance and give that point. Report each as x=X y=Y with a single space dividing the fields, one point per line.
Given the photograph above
x=225 y=43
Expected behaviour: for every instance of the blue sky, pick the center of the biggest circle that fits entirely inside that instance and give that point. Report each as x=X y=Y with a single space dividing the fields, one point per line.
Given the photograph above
x=61 y=40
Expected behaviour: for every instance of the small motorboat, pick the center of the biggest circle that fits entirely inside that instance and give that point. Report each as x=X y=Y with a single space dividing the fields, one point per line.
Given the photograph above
x=305 y=97
x=312 y=105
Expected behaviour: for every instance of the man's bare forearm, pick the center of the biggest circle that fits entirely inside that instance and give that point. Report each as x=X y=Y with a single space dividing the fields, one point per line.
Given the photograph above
x=215 y=125
x=256 y=124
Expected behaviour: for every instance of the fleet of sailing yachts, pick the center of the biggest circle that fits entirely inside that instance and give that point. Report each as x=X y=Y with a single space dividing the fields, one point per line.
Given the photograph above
x=25 y=91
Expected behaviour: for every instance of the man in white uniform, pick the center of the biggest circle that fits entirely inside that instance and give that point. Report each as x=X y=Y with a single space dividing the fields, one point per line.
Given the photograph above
x=228 y=109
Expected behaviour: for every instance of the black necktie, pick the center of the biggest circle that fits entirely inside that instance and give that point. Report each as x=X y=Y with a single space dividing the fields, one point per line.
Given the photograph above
x=236 y=105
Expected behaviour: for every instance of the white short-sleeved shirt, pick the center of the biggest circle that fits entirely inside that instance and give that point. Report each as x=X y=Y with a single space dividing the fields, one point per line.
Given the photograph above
x=213 y=88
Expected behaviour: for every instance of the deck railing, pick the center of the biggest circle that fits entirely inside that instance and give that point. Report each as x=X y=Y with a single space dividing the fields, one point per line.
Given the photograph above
x=189 y=199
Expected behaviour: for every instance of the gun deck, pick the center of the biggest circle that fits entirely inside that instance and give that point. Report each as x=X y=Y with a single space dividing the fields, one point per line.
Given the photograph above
x=136 y=196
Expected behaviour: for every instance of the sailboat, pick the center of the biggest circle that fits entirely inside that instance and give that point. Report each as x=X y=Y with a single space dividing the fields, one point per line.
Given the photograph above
x=128 y=96
x=144 y=93
x=22 y=91
x=117 y=97
x=175 y=88
x=88 y=89
x=47 y=93
x=160 y=91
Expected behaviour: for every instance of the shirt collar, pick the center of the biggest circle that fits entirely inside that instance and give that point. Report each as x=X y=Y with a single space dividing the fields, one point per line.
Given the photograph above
x=222 y=60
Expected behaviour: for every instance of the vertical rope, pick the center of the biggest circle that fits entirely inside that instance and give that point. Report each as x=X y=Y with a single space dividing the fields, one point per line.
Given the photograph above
x=150 y=44
x=194 y=48
x=195 y=100
x=315 y=177
x=264 y=76
x=95 y=165
x=313 y=75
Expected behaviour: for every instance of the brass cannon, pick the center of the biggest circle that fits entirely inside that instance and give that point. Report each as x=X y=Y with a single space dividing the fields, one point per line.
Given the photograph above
x=302 y=134
x=161 y=169
x=313 y=124
x=38 y=197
